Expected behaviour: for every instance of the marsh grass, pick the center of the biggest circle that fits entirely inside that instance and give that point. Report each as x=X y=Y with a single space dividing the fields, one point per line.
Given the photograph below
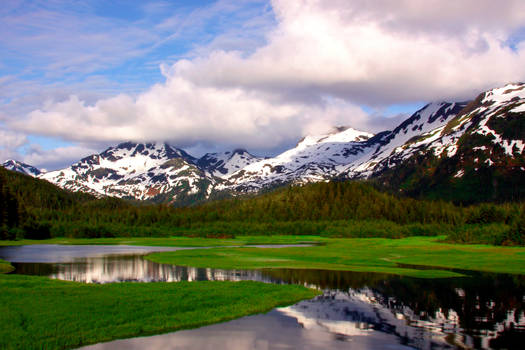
x=5 y=266
x=40 y=313
x=361 y=254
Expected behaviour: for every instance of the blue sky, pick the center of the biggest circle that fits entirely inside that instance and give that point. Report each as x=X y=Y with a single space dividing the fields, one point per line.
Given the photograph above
x=113 y=46
x=78 y=76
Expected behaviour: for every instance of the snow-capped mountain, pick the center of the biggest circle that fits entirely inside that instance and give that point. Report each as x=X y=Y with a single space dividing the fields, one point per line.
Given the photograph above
x=21 y=167
x=315 y=158
x=382 y=151
x=489 y=129
x=226 y=163
x=471 y=145
x=151 y=171
x=478 y=154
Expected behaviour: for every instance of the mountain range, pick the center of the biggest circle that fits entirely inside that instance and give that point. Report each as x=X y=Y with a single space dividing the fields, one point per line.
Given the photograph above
x=469 y=150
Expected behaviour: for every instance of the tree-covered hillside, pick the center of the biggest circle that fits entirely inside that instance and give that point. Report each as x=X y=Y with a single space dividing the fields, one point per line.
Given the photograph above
x=31 y=208
x=23 y=199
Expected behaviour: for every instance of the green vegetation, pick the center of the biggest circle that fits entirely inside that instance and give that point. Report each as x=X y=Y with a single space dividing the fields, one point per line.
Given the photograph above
x=173 y=241
x=5 y=266
x=360 y=254
x=34 y=209
x=357 y=254
x=40 y=313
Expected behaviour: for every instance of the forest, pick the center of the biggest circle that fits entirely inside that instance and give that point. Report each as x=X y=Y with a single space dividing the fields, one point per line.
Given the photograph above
x=35 y=209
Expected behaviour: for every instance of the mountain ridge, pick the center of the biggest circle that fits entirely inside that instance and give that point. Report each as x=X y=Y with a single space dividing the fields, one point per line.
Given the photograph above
x=440 y=138
x=21 y=167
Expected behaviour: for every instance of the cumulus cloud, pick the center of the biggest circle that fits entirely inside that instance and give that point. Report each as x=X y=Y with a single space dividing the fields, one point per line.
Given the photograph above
x=9 y=142
x=321 y=61
x=15 y=145
x=56 y=158
x=375 y=54
x=187 y=114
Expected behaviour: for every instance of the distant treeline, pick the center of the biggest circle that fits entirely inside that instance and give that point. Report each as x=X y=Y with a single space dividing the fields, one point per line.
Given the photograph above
x=32 y=208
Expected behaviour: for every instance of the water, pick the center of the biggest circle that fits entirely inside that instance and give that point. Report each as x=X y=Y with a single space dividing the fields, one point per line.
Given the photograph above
x=356 y=310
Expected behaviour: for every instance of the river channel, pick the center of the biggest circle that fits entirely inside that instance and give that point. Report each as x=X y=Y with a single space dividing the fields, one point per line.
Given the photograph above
x=355 y=311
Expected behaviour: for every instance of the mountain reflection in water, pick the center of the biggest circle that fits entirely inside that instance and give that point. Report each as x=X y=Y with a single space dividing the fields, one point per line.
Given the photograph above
x=357 y=310
x=132 y=269
x=482 y=311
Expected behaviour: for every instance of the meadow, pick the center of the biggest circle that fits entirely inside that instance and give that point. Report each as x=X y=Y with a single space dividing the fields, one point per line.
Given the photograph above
x=41 y=313
x=433 y=257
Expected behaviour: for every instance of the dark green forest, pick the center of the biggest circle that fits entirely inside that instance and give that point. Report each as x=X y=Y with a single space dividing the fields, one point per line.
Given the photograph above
x=35 y=209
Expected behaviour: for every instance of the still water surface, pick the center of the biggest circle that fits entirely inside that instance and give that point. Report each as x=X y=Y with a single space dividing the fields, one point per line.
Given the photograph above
x=356 y=310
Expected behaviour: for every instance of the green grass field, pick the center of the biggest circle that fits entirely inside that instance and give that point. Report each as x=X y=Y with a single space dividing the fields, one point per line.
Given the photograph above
x=360 y=254
x=40 y=313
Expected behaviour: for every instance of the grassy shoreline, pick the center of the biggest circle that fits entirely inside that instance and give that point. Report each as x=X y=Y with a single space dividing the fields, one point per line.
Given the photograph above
x=41 y=313
x=361 y=254
x=37 y=312
x=348 y=254
x=5 y=266
x=175 y=241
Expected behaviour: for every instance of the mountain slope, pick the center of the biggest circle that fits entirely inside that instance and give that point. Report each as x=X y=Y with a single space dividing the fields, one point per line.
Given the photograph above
x=476 y=156
x=151 y=171
x=381 y=152
x=315 y=158
x=20 y=167
x=465 y=151
x=226 y=163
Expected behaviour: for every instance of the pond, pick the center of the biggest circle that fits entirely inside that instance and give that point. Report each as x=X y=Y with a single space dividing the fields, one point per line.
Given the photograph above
x=356 y=310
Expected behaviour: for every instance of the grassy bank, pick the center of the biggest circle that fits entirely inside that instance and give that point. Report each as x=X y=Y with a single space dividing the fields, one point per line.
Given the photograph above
x=171 y=241
x=40 y=313
x=5 y=266
x=350 y=254
x=361 y=254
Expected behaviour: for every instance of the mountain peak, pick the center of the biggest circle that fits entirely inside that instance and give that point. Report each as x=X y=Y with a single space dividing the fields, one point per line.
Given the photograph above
x=485 y=133
x=147 y=152
x=223 y=164
x=338 y=134
x=21 y=167
x=240 y=151
x=139 y=170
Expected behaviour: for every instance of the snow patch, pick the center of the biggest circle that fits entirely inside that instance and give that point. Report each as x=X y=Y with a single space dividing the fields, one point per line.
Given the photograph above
x=519 y=109
x=460 y=173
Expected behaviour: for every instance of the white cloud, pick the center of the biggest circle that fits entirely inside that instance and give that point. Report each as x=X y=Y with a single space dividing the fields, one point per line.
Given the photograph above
x=187 y=114
x=321 y=60
x=56 y=158
x=9 y=142
x=344 y=49
x=15 y=145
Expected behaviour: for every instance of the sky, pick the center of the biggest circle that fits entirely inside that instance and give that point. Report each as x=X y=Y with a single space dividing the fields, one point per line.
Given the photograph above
x=79 y=76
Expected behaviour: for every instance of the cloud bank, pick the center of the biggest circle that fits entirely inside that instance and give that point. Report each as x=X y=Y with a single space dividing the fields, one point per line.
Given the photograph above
x=318 y=65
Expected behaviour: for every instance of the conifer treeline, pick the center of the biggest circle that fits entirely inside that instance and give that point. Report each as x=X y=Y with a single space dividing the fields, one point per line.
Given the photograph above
x=32 y=208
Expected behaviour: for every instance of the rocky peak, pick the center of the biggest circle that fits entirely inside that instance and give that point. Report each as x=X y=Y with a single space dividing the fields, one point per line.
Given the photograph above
x=21 y=167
